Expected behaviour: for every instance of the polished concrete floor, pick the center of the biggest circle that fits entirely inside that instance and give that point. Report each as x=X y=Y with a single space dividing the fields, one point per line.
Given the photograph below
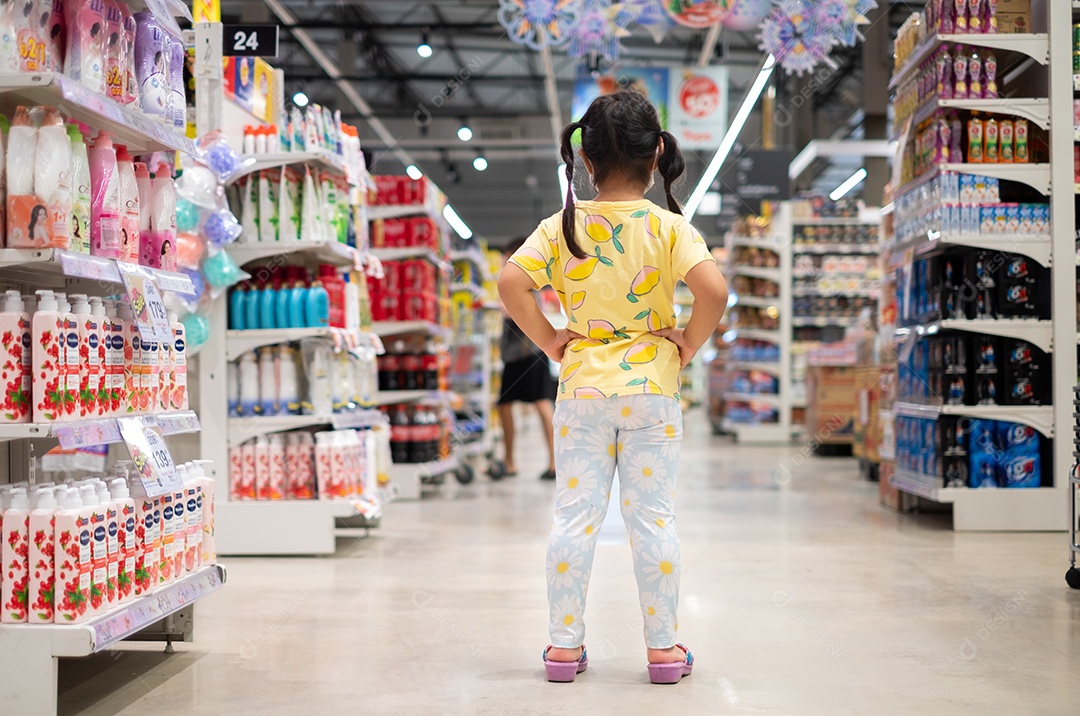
x=800 y=596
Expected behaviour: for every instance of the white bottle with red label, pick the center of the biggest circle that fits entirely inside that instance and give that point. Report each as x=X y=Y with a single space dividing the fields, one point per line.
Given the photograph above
x=112 y=539
x=179 y=503
x=72 y=361
x=99 y=548
x=102 y=323
x=89 y=352
x=178 y=393
x=48 y=359
x=42 y=537
x=133 y=363
x=147 y=537
x=74 y=562
x=15 y=556
x=168 y=540
x=193 y=518
x=206 y=511
x=15 y=354
x=125 y=533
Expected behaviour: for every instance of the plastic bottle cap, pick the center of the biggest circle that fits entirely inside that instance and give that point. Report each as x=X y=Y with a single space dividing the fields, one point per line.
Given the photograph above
x=47 y=301
x=13 y=302
x=122 y=153
x=18 y=499
x=72 y=500
x=102 y=492
x=82 y=304
x=46 y=500
x=173 y=318
x=89 y=496
x=141 y=172
x=97 y=306
x=118 y=488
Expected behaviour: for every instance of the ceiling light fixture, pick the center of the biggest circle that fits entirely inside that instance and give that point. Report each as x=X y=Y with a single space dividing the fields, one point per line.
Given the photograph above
x=456 y=222
x=464 y=133
x=730 y=137
x=300 y=99
x=424 y=49
x=413 y=172
x=480 y=164
x=850 y=183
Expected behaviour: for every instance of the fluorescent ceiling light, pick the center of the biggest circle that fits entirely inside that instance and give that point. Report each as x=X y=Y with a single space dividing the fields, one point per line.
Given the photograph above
x=300 y=99
x=850 y=183
x=456 y=223
x=413 y=172
x=480 y=163
x=710 y=204
x=730 y=137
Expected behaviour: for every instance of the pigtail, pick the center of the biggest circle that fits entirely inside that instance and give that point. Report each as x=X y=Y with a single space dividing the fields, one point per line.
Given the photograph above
x=569 y=220
x=671 y=166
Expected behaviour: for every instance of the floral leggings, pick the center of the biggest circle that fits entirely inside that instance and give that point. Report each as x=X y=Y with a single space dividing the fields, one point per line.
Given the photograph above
x=641 y=435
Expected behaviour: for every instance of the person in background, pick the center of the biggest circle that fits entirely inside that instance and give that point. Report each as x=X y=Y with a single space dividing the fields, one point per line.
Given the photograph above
x=527 y=379
x=615 y=262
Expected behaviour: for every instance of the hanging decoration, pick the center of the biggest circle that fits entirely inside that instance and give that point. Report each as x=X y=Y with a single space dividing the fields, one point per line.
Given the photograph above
x=795 y=36
x=651 y=17
x=539 y=23
x=843 y=17
x=599 y=29
x=698 y=13
x=747 y=14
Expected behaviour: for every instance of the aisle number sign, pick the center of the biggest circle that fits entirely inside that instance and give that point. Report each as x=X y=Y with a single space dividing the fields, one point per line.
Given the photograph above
x=146 y=303
x=153 y=461
x=250 y=40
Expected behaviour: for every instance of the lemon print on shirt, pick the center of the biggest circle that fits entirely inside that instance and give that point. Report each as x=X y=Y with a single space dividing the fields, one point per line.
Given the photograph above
x=652 y=222
x=648 y=388
x=583 y=343
x=601 y=231
x=533 y=260
x=570 y=371
x=639 y=354
x=587 y=392
x=580 y=269
x=577 y=299
x=652 y=319
x=647 y=279
x=605 y=332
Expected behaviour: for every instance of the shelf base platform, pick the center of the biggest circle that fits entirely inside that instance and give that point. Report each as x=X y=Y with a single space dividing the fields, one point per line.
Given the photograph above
x=29 y=653
x=761 y=434
x=253 y=527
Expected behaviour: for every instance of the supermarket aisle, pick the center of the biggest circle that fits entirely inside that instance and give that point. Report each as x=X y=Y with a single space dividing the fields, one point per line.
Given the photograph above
x=798 y=598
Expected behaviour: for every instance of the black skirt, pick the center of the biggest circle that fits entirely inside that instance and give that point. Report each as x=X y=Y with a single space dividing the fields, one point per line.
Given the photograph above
x=528 y=380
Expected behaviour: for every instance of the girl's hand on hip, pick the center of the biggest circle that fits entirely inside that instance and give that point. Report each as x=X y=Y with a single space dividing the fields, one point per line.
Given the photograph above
x=678 y=337
x=556 y=349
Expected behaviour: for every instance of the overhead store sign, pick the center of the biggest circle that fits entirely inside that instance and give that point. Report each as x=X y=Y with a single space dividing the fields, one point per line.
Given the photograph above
x=691 y=101
x=755 y=176
x=249 y=40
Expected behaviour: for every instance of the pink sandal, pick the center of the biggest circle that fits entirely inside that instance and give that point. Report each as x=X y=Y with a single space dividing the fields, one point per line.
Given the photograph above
x=563 y=671
x=672 y=673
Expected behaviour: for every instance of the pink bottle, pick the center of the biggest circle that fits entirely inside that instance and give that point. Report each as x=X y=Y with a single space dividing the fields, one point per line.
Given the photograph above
x=74 y=560
x=165 y=366
x=95 y=516
x=278 y=477
x=168 y=539
x=91 y=357
x=114 y=51
x=132 y=359
x=178 y=393
x=72 y=361
x=193 y=519
x=324 y=465
x=160 y=251
x=49 y=358
x=206 y=512
x=112 y=543
x=15 y=352
x=103 y=323
x=129 y=207
x=85 y=58
x=179 y=505
x=151 y=376
x=104 y=199
x=15 y=559
x=42 y=536
x=147 y=538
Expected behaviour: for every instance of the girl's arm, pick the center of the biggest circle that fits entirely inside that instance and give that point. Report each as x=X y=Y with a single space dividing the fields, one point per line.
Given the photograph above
x=515 y=289
x=710 y=301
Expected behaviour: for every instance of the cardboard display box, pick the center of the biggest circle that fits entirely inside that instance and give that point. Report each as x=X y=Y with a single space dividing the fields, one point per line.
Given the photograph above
x=831 y=406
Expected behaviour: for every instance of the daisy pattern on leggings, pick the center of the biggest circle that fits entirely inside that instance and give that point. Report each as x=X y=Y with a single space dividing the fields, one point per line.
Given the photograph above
x=567 y=432
x=593 y=519
x=563 y=567
x=568 y=610
x=580 y=477
x=671 y=418
x=654 y=609
x=647 y=471
x=663 y=567
x=629 y=500
x=631 y=412
x=601 y=447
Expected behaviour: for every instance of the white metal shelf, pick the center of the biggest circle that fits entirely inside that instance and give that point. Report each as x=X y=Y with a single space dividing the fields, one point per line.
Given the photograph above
x=1036 y=248
x=837 y=249
x=835 y=221
x=757 y=301
x=321 y=158
x=1037 y=110
x=32 y=263
x=772 y=368
x=100 y=431
x=1038 y=333
x=135 y=130
x=758 y=334
x=327 y=252
x=412 y=477
x=767 y=398
x=1035 y=46
x=773 y=244
x=253 y=527
x=240 y=342
x=823 y=322
x=758 y=433
x=769 y=274
x=398 y=211
x=1039 y=417
x=406 y=252
x=400 y=328
x=804 y=291
x=247 y=428
x=985 y=508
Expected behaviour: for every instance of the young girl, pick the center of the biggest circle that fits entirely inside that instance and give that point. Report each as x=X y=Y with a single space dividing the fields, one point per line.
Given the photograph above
x=615 y=261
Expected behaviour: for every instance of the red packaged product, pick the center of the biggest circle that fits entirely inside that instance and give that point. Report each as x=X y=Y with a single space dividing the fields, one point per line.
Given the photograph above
x=413 y=306
x=414 y=192
x=391 y=280
x=385 y=306
x=396 y=233
x=423 y=231
x=388 y=189
x=417 y=275
x=431 y=308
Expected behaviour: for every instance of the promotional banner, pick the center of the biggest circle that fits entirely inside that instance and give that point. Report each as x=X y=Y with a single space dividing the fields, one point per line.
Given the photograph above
x=653 y=82
x=699 y=111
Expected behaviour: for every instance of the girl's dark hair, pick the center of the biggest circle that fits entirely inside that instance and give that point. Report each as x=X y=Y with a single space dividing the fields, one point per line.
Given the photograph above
x=620 y=133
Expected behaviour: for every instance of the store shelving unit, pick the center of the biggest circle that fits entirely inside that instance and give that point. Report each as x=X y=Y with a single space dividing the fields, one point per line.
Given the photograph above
x=1003 y=509
x=29 y=653
x=779 y=242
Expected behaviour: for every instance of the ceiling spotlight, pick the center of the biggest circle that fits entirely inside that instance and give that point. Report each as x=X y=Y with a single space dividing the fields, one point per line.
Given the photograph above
x=480 y=164
x=464 y=133
x=300 y=99
x=413 y=172
x=424 y=49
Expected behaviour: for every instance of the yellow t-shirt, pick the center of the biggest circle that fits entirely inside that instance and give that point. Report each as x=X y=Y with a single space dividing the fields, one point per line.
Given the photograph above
x=621 y=291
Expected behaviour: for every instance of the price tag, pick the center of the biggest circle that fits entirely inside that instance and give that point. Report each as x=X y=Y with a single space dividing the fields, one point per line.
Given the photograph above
x=86 y=266
x=151 y=455
x=249 y=40
x=175 y=282
x=147 y=305
x=73 y=436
